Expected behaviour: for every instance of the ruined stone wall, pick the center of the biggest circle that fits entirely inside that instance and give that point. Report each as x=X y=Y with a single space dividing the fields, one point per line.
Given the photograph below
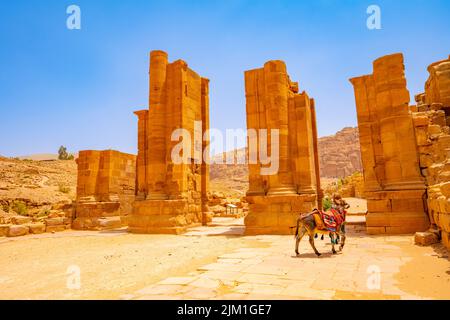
x=431 y=121
x=394 y=187
x=273 y=102
x=171 y=195
x=105 y=189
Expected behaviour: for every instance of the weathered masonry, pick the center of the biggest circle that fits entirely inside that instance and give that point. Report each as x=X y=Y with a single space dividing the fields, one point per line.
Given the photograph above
x=274 y=102
x=105 y=189
x=171 y=196
x=395 y=188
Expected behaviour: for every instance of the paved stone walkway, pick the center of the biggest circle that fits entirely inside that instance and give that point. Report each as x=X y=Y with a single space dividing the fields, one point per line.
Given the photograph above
x=367 y=269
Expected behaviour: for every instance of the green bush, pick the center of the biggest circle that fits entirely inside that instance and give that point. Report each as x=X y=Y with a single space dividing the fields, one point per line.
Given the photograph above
x=326 y=203
x=20 y=208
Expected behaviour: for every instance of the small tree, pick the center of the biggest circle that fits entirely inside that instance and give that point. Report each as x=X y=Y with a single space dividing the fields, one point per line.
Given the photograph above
x=326 y=203
x=62 y=153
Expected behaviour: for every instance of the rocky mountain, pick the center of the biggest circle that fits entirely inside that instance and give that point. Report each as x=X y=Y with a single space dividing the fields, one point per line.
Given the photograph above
x=339 y=157
x=41 y=183
x=340 y=154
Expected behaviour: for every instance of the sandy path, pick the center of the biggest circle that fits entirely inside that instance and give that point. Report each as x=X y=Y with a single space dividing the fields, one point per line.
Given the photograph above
x=111 y=264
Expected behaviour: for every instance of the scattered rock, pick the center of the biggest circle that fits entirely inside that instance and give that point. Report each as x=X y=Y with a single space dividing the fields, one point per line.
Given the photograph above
x=110 y=223
x=425 y=238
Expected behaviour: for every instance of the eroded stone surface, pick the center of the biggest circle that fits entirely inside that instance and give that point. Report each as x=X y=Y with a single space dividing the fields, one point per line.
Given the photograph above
x=273 y=102
x=431 y=122
x=171 y=195
x=394 y=186
x=105 y=188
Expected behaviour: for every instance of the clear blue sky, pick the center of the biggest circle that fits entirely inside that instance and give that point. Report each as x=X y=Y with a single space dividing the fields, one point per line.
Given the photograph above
x=79 y=88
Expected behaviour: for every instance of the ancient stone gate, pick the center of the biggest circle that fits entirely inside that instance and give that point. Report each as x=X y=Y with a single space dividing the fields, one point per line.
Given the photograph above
x=405 y=153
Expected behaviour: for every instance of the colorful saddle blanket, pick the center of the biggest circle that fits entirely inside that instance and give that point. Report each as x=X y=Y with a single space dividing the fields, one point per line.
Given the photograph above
x=332 y=219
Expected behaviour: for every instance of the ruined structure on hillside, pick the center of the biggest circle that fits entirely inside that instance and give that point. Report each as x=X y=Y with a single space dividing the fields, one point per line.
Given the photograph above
x=273 y=102
x=171 y=196
x=394 y=186
x=431 y=118
x=105 y=189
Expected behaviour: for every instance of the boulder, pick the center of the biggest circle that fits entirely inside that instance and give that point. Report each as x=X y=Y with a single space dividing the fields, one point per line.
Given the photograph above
x=17 y=230
x=4 y=230
x=55 y=221
x=20 y=219
x=36 y=228
x=425 y=238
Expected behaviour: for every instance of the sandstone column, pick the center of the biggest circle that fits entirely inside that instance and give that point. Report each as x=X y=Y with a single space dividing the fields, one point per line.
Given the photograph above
x=256 y=119
x=394 y=187
x=276 y=100
x=176 y=191
x=156 y=164
x=316 y=154
x=273 y=102
x=205 y=146
x=141 y=165
x=396 y=127
x=369 y=133
x=306 y=179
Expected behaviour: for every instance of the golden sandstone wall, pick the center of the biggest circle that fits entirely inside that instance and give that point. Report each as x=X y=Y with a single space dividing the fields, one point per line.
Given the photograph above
x=431 y=118
x=395 y=188
x=171 y=196
x=105 y=189
x=273 y=102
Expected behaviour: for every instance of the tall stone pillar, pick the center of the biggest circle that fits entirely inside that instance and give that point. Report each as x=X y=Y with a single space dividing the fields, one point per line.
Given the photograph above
x=369 y=132
x=172 y=195
x=256 y=118
x=396 y=127
x=156 y=162
x=273 y=102
x=394 y=187
x=276 y=100
x=141 y=162
x=305 y=163
x=316 y=154
x=205 y=147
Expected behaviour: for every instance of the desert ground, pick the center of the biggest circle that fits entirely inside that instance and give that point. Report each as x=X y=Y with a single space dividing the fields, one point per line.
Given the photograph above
x=214 y=262
x=219 y=262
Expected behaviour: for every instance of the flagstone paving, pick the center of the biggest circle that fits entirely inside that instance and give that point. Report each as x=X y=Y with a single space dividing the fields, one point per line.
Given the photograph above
x=367 y=268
